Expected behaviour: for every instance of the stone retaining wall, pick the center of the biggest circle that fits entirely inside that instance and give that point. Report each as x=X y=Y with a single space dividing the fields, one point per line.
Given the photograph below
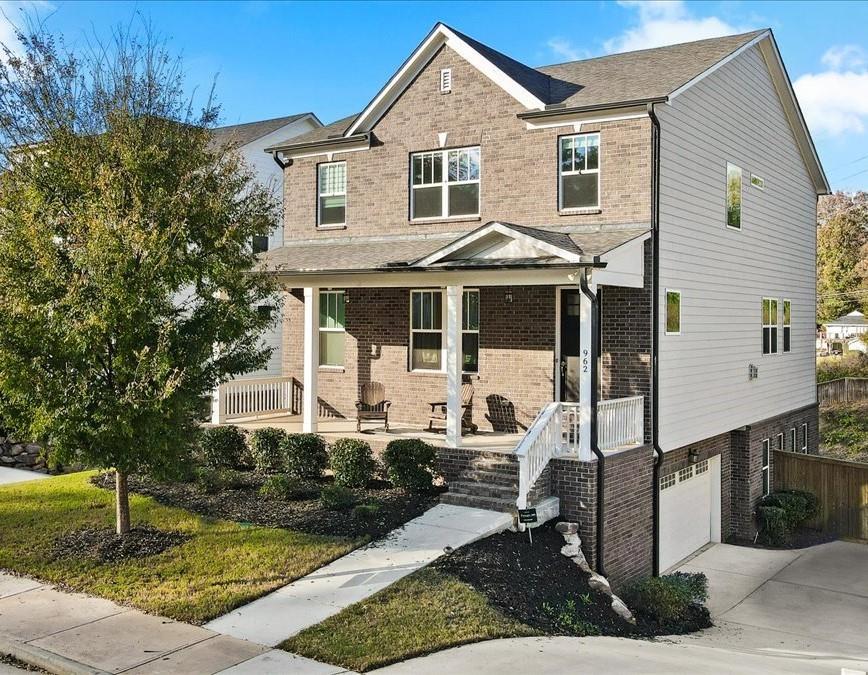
x=16 y=455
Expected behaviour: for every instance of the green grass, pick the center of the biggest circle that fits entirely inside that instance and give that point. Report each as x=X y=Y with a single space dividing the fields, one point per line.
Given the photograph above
x=222 y=566
x=423 y=613
x=844 y=431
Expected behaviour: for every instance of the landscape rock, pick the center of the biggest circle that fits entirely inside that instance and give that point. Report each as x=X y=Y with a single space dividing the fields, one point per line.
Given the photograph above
x=622 y=610
x=566 y=528
x=571 y=550
x=599 y=583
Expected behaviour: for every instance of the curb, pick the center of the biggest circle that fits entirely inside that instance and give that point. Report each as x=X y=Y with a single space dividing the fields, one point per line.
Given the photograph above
x=42 y=658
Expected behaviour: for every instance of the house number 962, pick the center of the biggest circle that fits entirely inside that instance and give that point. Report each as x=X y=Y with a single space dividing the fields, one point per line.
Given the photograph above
x=585 y=361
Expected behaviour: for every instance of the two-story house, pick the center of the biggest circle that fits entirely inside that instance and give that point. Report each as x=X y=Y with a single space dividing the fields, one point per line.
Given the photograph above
x=616 y=253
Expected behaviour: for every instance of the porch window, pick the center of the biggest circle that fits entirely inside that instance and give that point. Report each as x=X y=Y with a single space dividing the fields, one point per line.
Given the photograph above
x=673 y=312
x=332 y=333
x=770 y=326
x=470 y=331
x=733 y=196
x=765 y=469
x=787 y=325
x=332 y=194
x=445 y=183
x=426 y=330
x=579 y=169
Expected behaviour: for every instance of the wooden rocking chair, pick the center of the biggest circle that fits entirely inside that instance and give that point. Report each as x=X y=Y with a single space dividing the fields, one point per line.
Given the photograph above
x=372 y=405
x=438 y=411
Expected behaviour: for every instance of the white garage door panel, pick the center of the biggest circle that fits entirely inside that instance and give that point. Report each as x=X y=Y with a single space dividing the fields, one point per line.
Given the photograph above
x=689 y=514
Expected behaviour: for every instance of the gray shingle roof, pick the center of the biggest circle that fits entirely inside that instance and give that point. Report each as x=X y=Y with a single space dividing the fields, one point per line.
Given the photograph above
x=334 y=130
x=242 y=134
x=851 y=319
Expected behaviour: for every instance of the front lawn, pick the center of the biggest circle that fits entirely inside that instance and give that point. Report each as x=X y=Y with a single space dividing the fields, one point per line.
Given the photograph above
x=844 y=431
x=220 y=566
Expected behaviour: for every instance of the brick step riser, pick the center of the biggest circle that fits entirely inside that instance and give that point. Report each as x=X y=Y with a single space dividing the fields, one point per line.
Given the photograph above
x=488 y=477
x=497 y=467
x=481 y=490
x=489 y=503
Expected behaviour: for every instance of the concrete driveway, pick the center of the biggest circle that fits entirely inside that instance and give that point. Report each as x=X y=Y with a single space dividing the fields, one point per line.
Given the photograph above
x=774 y=612
x=9 y=476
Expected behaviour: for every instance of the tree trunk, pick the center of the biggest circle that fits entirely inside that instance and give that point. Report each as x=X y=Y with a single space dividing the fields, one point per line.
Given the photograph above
x=122 y=501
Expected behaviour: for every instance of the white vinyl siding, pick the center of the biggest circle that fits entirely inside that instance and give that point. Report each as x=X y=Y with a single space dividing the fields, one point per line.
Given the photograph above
x=732 y=115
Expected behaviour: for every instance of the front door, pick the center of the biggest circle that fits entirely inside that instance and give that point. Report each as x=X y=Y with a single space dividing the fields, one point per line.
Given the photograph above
x=570 y=359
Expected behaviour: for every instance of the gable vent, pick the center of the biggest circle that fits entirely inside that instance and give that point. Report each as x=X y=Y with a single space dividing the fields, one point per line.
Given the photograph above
x=445 y=80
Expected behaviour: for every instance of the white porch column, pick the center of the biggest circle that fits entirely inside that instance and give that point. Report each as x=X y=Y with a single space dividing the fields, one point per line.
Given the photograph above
x=585 y=366
x=454 y=296
x=311 y=359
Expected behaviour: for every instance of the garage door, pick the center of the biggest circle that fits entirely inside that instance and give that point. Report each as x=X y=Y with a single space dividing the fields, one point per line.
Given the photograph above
x=689 y=510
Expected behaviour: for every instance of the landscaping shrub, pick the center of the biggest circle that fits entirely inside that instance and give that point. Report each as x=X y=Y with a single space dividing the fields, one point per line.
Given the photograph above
x=337 y=498
x=669 y=600
x=265 y=449
x=834 y=368
x=304 y=455
x=567 y=617
x=367 y=512
x=287 y=488
x=352 y=462
x=212 y=480
x=222 y=447
x=410 y=464
x=781 y=513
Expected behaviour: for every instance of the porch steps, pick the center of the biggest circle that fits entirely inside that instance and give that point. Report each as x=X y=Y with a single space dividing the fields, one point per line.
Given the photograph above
x=490 y=481
x=478 y=502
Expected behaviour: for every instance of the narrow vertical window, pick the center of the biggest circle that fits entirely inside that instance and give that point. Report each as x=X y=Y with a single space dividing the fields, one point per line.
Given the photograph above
x=579 y=169
x=787 y=325
x=765 y=468
x=780 y=442
x=792 y=447
x=770 y=326
x=332 y=336
x=673 y=312
x=426 y=330
x=733 y=196
x=804 y=439
x=470 y=331
x=332 y=194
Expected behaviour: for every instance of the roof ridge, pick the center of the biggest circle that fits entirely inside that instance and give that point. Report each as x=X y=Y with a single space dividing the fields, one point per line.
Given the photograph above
x=269 y=119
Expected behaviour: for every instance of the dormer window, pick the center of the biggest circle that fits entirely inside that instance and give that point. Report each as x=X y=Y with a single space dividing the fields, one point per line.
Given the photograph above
x=579 y=172
x=444 y=184
x=332 y=194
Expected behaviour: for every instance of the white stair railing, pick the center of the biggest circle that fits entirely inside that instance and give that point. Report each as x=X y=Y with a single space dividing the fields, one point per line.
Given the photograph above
x=620 y=422
x=257 y=396
x=542 y=442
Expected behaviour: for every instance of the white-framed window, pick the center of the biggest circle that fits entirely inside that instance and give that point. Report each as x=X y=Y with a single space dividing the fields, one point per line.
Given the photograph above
x=427 y=344
x=667 y=481
x=792 y=447
x=470 y=331
x=770 y=326
x=757 y=181
x=733 y=196
x=332 y=333
x=787 y=327
x=579 y=172
x=779 y=445
x=332 y=194
x=445 y=183
x=673 y=312
x=765 y=468
x=804 y=439
x=445 y=80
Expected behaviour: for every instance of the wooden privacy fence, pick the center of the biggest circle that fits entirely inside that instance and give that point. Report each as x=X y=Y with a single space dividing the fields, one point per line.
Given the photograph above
x=841 y=487
x=844 y=390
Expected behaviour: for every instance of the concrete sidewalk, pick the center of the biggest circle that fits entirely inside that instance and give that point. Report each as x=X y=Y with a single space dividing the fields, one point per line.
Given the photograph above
x=358 y=575
x=74 y=633
x=9 y=475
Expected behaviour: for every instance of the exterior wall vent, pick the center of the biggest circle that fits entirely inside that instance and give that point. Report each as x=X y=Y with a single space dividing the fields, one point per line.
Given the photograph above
x=445 y=80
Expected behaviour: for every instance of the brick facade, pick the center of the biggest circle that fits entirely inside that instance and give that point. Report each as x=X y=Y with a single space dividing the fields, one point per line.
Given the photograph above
x=519 y=166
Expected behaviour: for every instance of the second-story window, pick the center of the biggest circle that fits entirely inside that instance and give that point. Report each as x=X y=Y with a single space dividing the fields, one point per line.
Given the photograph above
x=580 y=171
x=332 y=194
x=733 y=196
x=770 y=326
x=445 y=183
x=787 y=326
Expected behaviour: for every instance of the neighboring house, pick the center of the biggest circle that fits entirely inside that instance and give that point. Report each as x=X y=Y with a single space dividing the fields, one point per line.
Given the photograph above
x=847 y=326
x=251 y=139
x=617 y=253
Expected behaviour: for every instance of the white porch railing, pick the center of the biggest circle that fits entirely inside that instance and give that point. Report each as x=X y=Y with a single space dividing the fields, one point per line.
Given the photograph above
x=257 y=396
x=620 y=422
x=555 y=433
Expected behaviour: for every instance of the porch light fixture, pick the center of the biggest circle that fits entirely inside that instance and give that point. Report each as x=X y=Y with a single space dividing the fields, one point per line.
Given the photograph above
x=507 y=295
x=693 y=456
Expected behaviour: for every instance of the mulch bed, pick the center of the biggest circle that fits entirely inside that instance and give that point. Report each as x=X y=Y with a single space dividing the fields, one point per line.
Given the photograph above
x=535 y=583
x=244 y=504
x=802 y=538
x=106 y=546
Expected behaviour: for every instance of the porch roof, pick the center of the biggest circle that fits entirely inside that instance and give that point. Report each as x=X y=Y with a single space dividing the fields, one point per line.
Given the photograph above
x=545 y=246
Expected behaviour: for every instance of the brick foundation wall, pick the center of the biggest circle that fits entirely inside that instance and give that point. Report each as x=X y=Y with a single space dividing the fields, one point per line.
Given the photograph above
x=575 y=483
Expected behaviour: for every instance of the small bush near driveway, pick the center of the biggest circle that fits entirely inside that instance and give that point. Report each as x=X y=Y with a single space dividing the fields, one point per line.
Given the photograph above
x=781 y=513
x=352 y=462
x=304 y=455
x=671 y=601
x=410 y=464
x=265 y=449
x=223 y=447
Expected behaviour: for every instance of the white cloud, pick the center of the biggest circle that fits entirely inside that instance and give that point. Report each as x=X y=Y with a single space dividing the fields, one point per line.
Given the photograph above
x=565 y=50
x=835 y=101
x=666 y=22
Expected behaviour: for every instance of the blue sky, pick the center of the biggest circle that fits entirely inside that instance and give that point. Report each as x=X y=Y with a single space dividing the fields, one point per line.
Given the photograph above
x=277 y=58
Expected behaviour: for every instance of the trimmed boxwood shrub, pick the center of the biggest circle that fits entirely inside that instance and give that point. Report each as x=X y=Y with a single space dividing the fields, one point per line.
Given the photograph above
x=671 y=600
x=773 y=527
x=211 y=480
x=352 y=462
x=222 y=447
x=304 y=455
x=288 y=488
x=781 y=513
x=410 y=464
x=367 y=512
x=336 y=498
x=265 y=449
